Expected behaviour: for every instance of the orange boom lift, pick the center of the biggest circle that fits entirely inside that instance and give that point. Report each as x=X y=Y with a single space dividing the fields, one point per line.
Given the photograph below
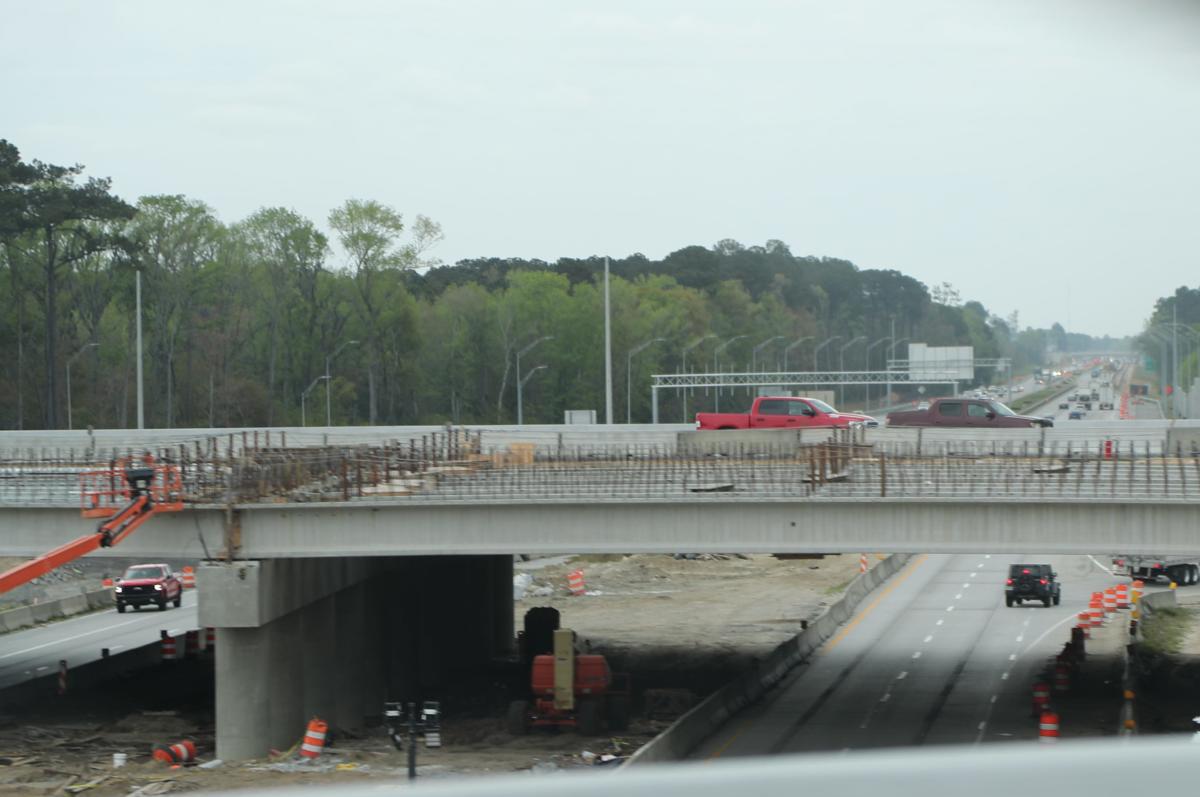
x=125 y=495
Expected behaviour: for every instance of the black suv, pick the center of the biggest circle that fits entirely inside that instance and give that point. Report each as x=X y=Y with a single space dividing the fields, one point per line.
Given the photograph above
x=1032 y=583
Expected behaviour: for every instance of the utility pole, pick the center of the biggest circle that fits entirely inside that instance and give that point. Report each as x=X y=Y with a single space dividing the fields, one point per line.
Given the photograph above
x=141 y=406
x=686 y=349
x=608 y=401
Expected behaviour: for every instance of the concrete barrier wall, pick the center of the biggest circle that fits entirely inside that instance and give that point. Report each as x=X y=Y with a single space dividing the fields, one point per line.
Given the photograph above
x=26 y=616
x=689 y=731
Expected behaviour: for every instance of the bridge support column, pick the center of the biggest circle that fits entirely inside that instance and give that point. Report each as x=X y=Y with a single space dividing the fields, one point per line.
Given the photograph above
x=334 y=638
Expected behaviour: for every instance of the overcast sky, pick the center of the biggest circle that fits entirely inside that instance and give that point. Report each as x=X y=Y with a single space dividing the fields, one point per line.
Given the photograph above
x=1041 y=155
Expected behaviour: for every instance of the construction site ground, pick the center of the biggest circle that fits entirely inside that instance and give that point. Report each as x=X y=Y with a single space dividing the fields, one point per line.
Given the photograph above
x=683 y=626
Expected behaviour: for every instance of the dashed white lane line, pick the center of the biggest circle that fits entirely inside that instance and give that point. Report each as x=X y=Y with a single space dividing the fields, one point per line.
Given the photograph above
x=982 y=725
x=966 y=584
x=994 y=698
x=115 y=648
x=958 y=597
x=1012 y=656
x=903 y=674
x=928 y=639
x=43 y=667
x=886 y=697
x=939 y=622
x=1021 y=638
x=979 y=566
x=949 y=608
x=917 y=655
x=987 y=556
x=1003 y=676
x=974 y=574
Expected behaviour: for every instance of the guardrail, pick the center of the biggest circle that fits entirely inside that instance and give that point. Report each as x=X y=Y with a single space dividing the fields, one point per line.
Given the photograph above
x=27 y=616
x=693 y=728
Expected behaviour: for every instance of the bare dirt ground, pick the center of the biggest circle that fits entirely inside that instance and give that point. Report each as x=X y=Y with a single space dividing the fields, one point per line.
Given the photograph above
x=684 y=624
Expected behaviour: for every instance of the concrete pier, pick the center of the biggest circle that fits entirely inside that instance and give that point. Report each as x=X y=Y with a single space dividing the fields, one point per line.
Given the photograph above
x=335 y=638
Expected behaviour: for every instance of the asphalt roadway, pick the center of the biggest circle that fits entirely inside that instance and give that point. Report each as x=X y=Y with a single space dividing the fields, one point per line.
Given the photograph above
x=932 y=657
x=34 y=652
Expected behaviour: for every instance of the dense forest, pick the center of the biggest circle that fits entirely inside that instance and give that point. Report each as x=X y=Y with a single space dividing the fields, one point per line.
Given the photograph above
x=242 y=321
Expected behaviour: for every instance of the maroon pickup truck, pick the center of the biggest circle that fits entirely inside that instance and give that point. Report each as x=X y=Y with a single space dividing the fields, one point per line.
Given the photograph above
x=783 y=412
x=966 y=413
x=148 y=585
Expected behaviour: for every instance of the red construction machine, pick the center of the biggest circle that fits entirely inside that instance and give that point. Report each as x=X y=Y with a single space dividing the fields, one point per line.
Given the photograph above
x=125 y=495
x=571 y=690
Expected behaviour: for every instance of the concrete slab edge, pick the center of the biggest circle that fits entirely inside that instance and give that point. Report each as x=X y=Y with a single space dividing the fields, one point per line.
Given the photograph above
x=689 y=731
x=1150 y=602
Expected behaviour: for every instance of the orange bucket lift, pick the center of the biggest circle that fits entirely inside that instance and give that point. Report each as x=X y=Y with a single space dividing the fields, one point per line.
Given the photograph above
x=124 y=496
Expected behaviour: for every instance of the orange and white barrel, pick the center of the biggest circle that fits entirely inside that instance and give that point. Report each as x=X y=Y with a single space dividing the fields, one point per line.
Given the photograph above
x=1048 y=727
x=1110 y=600
x=314 y=738
x=179 y=753
x=188 y=577
x=1083 y=620
x=1062 y=677
x=575 y=582
x=862 y=563
x=1135 y=594
x=1096 y=610
x=169 y=651
x=1041 y=697
x=1122 y=596
x=107 y=582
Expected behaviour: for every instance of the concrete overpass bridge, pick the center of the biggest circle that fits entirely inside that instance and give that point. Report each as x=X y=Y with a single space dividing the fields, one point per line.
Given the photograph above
x=338 y=574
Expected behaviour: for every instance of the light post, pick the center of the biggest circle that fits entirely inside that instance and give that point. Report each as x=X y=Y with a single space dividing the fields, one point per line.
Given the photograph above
x=304 y=398
x=717 y=353
x=754 y=352
x=817 y=351
x=521 y=382
x=686 y=349
x=71 y=359
x=629 y=374
x=888 y=365
x=329 y=381
x=842 y=366
x=788 y=349
x=867 y=366
x=521 y=394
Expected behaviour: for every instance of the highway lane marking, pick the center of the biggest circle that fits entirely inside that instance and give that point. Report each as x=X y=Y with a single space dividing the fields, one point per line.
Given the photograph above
x=980 y=565
x=966 y=584
x=1102 y=567
x=1021 y=638
x=939 y=622
x=917 y=655
x=1012 y=656
x=43 y=667
x=903 y=674
x=886 y=696
x=1004 y=676
x=115 y=647
x=63 y=640
x=894 y=582
x=986 y=556
x=974 y=574
x=949 y=608
x=928 y=639
x=958 y=597
x=994 y=698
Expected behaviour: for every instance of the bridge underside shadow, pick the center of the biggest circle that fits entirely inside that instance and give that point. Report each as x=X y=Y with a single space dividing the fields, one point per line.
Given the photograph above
x=335 y=638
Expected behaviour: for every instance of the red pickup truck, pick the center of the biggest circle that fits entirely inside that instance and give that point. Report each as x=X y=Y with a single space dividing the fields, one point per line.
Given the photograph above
x=966 y=413
x=148 y=585
x=783 y=412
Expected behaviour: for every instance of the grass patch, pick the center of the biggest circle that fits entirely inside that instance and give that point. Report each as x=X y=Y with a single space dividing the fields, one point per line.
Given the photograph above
x=1165 y=629
x=1041 y=397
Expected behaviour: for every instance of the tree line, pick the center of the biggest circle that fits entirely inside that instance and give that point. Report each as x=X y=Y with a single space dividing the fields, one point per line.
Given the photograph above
x=242 y=321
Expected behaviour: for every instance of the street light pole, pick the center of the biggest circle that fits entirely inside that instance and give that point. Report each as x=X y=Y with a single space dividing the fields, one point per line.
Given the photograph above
x=888 y=365
x=686 y=349
x=842 y=367
x=817 y=351
x=716 y=353
x=329 y=381
x=867 y=366
x=141 y=405
x=787 y=349
x=520 y=382
x=754 y=352
x=71 y=359
x=304 y=398
x=521 y=395
x=629 y=374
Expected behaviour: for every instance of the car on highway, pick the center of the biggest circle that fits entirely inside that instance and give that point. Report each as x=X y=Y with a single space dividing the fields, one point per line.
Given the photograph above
x=1106 y=405
x=148 y=585
x=1028 y=582
x=976 y=413
x=1076 y=415
x=784 y=412
x=1064 y=406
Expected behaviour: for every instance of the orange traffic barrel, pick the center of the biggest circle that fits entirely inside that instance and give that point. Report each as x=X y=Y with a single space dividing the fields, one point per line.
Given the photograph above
x=575 y=582
x=1110 y=600
x=1096 y=610
x=1041 y=697
x=179 y=753
x=1084 y=622
x=1048 y=727
x=169 y=652
x=189 y=577
x=1122 y=596
x=1062 y=677
x=107 y=582
x=314 y=738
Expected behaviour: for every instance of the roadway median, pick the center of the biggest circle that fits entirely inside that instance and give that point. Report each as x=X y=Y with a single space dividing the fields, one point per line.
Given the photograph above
x=46 y=611
x=687 y=733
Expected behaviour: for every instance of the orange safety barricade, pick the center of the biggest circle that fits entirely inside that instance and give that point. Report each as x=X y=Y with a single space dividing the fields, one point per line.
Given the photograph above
x=575 y=582
x=180 y=753
x=1110 y=600
x=1062 y=677
x=862 y=563
x=314 y=738
x=1048 y=727
x=1084 y=622
x=169 y=651
x=1041 y=697
x=1096 y=610
x=1122 y=596
x=188 y=577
